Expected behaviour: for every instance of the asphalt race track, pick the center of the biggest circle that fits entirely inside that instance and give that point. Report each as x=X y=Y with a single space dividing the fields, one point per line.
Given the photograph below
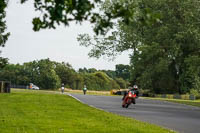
x=178 y=117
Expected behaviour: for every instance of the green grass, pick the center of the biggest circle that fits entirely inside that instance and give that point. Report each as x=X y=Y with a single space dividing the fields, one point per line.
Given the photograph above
x=28 y=111
x=187 y=102
x=90 y=92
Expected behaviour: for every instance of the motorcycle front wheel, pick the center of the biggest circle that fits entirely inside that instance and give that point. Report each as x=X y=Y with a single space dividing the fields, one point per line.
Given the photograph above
x=126 y=106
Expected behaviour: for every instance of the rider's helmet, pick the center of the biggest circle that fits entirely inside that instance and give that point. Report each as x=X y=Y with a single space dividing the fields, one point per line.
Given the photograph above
x=135 y=87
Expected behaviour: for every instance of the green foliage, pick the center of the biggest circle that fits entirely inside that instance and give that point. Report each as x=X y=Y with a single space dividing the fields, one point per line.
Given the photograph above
x=49 y=74
x=56 y=12
x=114 y=85
x=102 y=76
x=110 y=73
x=92 y=70
x=3 y=62
x=196 y=83
x=165 y=39
x=78 y=82
x=99 y=81
x=92 y=82
x=3 y=34
x=122 y=83
x=43 y=74
x=66 y=73
x=102 y=14
x=85 y=70
x=162 y=50
x=16 y=74
x=104 y=79
x=194 y=92
x=122 y=71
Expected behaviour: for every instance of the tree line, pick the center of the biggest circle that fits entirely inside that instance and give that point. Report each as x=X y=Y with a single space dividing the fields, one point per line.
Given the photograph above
x=49 y=74
x=165 y=50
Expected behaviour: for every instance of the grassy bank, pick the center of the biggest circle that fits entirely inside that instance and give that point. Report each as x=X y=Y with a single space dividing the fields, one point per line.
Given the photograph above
x=28 y=111
x=187 y=102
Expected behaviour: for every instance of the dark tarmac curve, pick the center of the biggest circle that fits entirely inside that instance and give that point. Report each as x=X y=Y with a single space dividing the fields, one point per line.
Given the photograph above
x=178 y=117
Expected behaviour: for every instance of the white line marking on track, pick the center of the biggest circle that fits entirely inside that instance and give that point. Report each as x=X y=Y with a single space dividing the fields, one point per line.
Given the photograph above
x=85 y=103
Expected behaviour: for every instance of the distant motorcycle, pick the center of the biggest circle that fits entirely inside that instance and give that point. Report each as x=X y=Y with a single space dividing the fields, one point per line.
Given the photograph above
x=129 y=98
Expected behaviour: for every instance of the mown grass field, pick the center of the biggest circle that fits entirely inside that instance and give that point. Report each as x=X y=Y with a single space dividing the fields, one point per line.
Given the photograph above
x=28 y=111
x=187 y=102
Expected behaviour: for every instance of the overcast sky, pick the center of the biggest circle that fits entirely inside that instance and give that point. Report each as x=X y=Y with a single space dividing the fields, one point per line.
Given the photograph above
x=59 y=45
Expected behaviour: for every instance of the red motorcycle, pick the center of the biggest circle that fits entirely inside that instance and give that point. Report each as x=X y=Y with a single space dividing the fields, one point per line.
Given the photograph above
x=129 y=98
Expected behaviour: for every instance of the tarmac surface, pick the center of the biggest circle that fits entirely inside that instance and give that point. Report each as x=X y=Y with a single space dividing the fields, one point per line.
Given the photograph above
x=178 y=117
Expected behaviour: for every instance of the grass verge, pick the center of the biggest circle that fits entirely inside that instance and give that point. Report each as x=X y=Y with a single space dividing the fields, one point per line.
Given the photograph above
x=29 y=111
x=186 y=102
x=89 y=92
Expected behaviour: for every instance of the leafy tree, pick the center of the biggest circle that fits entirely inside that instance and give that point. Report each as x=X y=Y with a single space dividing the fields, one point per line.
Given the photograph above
x=8 y=73
x=43 y=74
x=123 y=71
x=91 y=81
x=105 y=82
x=122 y=83
x=163 y=49
x=3 y=34
x=49 y=74
x=114 y=85
x=21 y=75
x=32 y=71
x=48 y=79
x=16 y=74
x=102 y=76
x=166 y=45
x=92 y=70
x=3 y=62
x=55 y=12
x=110 y=73
x=83 y=70
x=102 y=80
x=66 y=73
x=99 y=81
x=78 y=82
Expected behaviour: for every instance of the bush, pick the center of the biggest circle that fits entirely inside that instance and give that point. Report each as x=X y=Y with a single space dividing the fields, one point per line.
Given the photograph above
x=146 y=93
x=198 y=96
x=99 y=81
x=194 y=92
x=121 y=83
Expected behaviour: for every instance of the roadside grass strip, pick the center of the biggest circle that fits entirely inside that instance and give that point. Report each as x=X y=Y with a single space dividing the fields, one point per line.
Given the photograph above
x=27 y=111
x=89 y=92
x=186 y=102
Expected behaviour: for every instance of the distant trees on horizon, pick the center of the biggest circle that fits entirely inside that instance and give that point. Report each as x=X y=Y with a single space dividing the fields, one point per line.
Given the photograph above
x=49 y=74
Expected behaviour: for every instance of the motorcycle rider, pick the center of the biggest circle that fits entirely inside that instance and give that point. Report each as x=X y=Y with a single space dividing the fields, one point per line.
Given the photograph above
x=135 y=89
x=84 y=90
